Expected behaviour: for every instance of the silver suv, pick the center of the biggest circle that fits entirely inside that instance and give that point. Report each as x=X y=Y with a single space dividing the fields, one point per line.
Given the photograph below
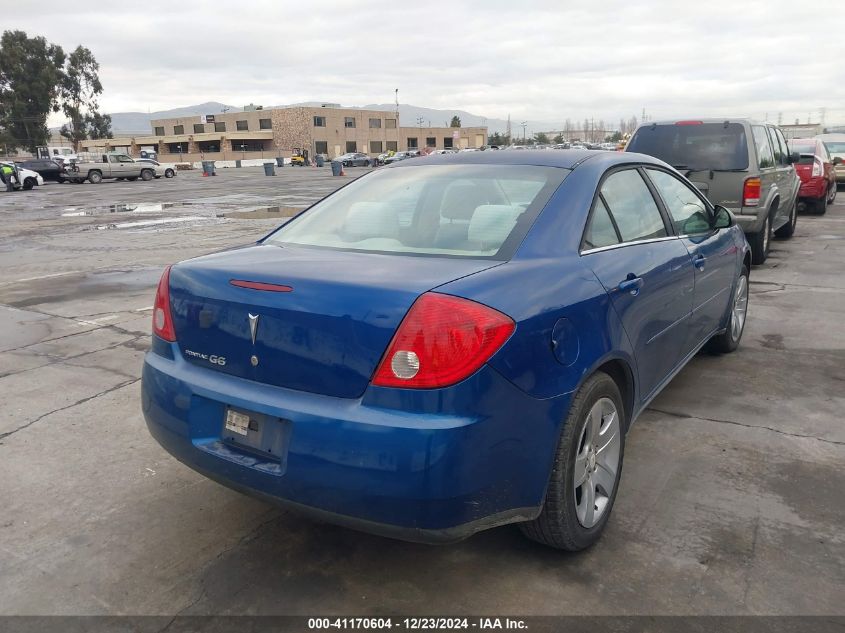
x=739 y=164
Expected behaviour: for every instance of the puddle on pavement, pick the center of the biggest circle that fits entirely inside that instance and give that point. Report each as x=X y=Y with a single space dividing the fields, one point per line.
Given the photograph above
x=262 y=213
x=140 y=224
x=141 y=207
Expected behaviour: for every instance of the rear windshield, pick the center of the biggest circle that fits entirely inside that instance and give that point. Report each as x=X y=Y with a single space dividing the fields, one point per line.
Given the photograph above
x=835 y=147
x=802 y=148
x=717 y=146
x=451 y=210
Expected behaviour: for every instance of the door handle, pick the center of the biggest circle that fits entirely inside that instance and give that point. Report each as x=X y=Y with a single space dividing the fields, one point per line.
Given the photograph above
x=632 y=284
x=698 y=261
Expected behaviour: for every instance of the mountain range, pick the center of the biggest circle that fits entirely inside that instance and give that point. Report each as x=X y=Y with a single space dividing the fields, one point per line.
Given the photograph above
x=128 y=123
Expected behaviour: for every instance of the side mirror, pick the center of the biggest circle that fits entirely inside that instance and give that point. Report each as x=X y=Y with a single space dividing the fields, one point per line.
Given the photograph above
x=794 y=157
x=722 y=218
x=837 y=161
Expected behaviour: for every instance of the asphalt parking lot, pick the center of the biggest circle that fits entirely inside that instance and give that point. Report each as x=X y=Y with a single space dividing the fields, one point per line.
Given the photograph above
x=732 y=498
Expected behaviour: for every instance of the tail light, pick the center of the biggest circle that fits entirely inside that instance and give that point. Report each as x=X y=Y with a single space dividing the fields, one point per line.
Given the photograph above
x=818 y=168
x=751 y=192
x=441 y=341
x=162 y=320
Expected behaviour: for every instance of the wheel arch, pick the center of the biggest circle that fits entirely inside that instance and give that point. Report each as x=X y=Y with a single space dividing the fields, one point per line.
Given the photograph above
x=622 y=374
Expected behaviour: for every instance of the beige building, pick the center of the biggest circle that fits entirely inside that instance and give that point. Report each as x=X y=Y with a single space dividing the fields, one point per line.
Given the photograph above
x=329 y=130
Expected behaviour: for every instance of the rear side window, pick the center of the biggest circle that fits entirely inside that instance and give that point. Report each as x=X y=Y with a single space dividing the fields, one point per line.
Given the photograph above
x=689 y=213
x=765 y=156
x=717 y=146
x=632 y=207
x=779 y=152
x=600 y=232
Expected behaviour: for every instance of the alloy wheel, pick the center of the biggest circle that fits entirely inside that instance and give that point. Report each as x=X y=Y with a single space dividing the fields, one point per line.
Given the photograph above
x=740 y=308
x=597 y=462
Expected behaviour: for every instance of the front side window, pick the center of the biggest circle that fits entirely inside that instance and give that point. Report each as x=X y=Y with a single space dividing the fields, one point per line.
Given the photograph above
x=688 y=212
x=456 y=210
x=765 y=156
x=632 y=207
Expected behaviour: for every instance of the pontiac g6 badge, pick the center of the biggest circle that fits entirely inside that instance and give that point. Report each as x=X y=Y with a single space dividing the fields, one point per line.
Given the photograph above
x=253 y=326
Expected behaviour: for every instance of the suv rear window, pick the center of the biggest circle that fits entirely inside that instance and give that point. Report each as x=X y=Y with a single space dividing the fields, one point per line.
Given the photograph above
x=717 y=146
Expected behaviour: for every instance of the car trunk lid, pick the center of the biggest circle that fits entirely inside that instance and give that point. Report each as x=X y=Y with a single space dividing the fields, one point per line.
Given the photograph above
x=320 y=320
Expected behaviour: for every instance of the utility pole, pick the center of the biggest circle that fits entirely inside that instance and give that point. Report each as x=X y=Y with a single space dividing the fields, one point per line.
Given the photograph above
x=396 y=93
x=523 y=124
x=508 y=130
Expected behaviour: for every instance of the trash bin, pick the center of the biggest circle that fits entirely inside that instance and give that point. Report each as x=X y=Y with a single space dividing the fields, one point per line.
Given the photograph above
x=208 y=168
x=337 y=168
x=269 y=169
x=280 y=161
x=374 y=162
x=320 y=161
x=238 y=163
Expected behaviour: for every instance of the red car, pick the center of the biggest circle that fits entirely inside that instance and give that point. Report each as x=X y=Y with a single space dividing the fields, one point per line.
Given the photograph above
x=816 y=170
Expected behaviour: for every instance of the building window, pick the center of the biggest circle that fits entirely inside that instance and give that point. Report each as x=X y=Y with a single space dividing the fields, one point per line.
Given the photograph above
x=447 y=142
x=412 y=143
x=243 y=145
x=178 y=129
x=390 y=124
x=376 y=147
x=321 y=147
x=159 y=131
x=430 y=141
x=349 y=121
x=209 y=146
x=351 y=146
x=375 y=123
x=177 y=148
x=199 y=128
x=265 y=124
x=241 y=126
x=220 y=127
x=391 y=146
x=319 y=121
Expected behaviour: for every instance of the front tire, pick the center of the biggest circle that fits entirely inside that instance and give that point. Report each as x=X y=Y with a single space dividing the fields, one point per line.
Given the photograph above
x=788 y=229
x=728 y=341
x=586 y=470
x=169 y=173
x=28 y=184
x=759 y=242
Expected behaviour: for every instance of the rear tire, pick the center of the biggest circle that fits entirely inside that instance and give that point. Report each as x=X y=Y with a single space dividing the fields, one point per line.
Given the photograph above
x=759 y=242
x=820 y=205
x=589 y=451
x=95 y=177
x=832 y=197
x=788 y=229
x=147 y=175
x=729 y=340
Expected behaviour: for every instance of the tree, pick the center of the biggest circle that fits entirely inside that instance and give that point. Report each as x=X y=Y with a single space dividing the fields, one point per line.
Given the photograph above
x=496 y=138
x=99 y=125
x=30 y=76
x=456 y=121
x=613 y=138
x=632 y=124
x=541 y=137
x=623 y=126
x=80 y=88
x=558 y=138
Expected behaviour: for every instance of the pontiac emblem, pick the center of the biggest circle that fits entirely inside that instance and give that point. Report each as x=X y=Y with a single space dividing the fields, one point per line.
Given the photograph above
x=253 y=326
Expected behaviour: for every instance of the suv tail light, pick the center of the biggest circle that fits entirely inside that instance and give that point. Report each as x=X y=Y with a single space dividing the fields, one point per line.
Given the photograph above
x=751 y=192
x=441 y=341
x=818 y=168
x=162 y=320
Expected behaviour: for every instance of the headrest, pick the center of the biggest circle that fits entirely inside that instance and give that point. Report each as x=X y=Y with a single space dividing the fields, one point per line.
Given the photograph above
x=492 y=223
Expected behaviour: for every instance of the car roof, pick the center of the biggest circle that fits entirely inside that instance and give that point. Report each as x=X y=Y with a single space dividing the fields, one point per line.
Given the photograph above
x=565 y=158
x=703 y=120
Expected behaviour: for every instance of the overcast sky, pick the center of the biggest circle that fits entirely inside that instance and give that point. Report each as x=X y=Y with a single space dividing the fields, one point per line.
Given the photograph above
x=533 y=60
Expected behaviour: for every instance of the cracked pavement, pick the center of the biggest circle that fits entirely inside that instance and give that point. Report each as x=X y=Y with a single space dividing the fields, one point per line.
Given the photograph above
x=732 y=499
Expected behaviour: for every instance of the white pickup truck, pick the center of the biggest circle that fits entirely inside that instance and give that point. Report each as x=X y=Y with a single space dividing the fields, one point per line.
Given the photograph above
x=110 y=165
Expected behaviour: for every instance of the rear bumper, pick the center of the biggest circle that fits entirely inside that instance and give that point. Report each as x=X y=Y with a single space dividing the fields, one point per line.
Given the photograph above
x=813 y=188
x=427 y=466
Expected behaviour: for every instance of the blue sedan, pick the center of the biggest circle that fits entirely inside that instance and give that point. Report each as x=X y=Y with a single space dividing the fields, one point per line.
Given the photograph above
x=443 y=347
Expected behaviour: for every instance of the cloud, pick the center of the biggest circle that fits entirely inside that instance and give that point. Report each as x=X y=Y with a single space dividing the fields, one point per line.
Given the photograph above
x=533 y=60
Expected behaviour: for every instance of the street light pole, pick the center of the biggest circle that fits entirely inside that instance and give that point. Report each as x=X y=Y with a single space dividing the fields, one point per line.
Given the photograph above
x=523 y=124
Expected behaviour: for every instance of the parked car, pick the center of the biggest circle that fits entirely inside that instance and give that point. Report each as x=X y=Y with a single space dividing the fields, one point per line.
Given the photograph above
x=835 y=144
x=389 y=372
x=355 y=159
x=168 y=170
x=815 y=168
x=47 y=168
x=739 y=164
x=98 y=167
x=397 y=157
x=27 y=178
